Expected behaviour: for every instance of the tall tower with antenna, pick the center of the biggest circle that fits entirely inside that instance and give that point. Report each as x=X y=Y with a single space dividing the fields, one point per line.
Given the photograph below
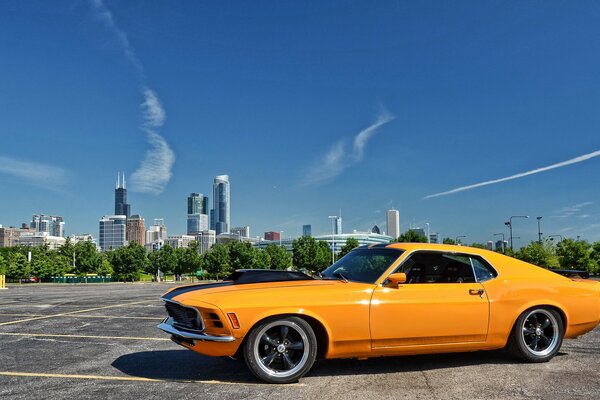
x=121 y=206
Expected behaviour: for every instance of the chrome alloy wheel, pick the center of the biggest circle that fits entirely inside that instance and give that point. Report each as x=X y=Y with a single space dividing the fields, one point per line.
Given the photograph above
x=282 y=349
x=540 y=332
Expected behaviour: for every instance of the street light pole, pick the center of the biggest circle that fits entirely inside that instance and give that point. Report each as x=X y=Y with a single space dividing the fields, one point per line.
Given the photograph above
x=280 y=234
x=458 y=237
x=509 y=224
x=539 y=230
x=333 y=218
x=503 y=244
x=428 y=237
x=553 y=236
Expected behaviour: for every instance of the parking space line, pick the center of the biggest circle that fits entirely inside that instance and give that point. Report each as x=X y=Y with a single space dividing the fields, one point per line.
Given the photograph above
x=128 y=378
x=75 y=312
x=81 y=336
x=86 y=316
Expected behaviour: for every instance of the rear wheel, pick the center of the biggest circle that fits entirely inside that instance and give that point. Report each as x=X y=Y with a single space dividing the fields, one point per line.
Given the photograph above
x=537 y=335
x=281 y=350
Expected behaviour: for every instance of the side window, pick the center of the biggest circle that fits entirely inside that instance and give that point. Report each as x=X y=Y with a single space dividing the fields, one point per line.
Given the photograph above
x=483 y=272
x=436 y=267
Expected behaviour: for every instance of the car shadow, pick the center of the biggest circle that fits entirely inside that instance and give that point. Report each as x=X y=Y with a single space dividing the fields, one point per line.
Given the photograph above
x=185 y=365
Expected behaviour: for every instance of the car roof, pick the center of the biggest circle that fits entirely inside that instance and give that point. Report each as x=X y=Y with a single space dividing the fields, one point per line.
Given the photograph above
x=428 y=246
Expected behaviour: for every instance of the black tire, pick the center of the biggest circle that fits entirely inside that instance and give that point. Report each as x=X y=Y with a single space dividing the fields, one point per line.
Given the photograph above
x=537 y=335
x=280 y=349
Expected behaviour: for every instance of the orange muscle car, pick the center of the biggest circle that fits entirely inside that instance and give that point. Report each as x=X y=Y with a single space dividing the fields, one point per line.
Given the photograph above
x=380 y=300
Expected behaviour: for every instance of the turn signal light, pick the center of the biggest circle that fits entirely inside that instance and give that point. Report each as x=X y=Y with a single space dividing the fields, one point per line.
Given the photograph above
x=234 y=321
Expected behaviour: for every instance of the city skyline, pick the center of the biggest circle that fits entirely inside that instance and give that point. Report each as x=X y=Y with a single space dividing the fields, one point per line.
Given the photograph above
x=456 y=116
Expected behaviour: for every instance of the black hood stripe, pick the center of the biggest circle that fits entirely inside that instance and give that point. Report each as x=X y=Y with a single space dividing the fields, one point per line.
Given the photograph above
x=191 y=288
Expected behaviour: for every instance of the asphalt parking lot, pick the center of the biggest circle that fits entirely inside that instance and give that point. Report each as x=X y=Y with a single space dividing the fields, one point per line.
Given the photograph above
x=101 y=341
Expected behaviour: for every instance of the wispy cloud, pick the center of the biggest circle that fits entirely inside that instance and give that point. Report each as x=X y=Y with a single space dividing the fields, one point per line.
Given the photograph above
x=106 y=17
x=152 y=109
x=575 y=160
x=338 y=158
x=569 y=211
x=154 y=172
x=34 y=173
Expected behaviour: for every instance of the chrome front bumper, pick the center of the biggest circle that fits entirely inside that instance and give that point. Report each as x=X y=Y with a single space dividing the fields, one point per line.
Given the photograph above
x=167 y=326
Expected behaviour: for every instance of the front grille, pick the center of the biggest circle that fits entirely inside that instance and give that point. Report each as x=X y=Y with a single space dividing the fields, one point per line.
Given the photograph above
x=184 y=317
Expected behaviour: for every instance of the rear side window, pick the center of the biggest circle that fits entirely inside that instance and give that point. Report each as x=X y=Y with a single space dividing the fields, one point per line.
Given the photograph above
x=483 y=271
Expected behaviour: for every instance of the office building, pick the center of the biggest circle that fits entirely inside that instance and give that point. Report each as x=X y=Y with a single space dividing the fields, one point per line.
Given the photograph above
x=501 y=245
x=206 y=240
x=157 y=232
x=242 y=231
x=197 y=203
x=113 y=230
x=9 y=235
x=338 y=226
x=306 y=230
x=52 y=225
x=136 y=230
x=220 y=214
x=434 y=237
x=419 y=231
x=196 y=223
x=272 y=236
x=40 y=239
x=180 y=241
x=375 y=229
x=393 y=223
x=121 y=206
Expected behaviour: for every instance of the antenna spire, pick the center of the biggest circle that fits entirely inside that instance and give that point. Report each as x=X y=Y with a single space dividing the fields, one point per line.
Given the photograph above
x=118 y=180
x=124 y=180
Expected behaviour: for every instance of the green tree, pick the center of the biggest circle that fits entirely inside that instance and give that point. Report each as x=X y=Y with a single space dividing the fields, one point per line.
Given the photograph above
x=188 y=260
x=478 y=245
x=310 y=255
x=87 y=258
x=127 y=262
x=3 y=265
x=279 y=257
x=18 y=267
x=262 y=259
x=351 y=243
x=242 y=255
x=595 y=258
x=575 y=254
x=448 y=240
x=542 y=255
x=216 y=261
x=411 y=237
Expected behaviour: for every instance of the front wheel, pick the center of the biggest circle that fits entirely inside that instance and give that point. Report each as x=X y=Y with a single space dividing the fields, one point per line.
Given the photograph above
x=281 y=350
x=537 y=335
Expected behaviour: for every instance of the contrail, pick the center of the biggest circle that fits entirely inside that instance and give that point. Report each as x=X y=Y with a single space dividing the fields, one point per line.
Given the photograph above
x=520 y=175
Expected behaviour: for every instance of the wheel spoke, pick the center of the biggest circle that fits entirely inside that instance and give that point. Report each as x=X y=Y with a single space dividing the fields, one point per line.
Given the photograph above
x=267 y=339
x=534 y=319
x=296 y=345
x=284 y=332
x=268 y=360
x=287 y=362
x=528 y=330
x=546 y=323
x=545 y=339
x=534 y=343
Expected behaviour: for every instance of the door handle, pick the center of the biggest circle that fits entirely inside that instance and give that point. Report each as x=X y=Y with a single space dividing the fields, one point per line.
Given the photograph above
x=476 y=292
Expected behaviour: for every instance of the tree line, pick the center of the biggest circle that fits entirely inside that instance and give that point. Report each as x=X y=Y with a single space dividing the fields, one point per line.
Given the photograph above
x=129 y=262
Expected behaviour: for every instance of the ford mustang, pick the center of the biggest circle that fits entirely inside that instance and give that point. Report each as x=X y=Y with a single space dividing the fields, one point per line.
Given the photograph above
x=383 y=300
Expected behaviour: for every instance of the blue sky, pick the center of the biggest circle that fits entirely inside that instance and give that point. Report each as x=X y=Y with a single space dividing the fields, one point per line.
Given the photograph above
x=310 y=107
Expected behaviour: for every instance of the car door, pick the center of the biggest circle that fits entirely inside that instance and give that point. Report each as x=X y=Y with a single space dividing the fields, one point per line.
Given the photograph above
x=441 y=303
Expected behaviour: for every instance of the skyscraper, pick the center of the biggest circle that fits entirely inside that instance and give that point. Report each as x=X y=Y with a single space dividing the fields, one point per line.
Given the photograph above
x=197 y=209
x=52 y=225
x=112 y=232
x=121 y=206
x=338 y=226
x=136 y=230
x=306 y=230
x=393 y=223
x=220 y=217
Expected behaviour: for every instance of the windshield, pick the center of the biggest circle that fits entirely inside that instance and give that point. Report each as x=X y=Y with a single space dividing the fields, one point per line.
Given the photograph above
x=362 y=265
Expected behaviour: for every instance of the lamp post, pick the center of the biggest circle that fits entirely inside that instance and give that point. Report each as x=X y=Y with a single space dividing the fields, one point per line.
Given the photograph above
x=333 y=218
x=428 y=237
x=458 y=237
x=553 y=236
x=509 y=224
x=503 y=245
x=539 y=230
x=280 y=234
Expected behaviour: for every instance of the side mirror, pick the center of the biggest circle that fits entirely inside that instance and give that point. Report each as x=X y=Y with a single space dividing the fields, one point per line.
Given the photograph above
x=397 y=278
